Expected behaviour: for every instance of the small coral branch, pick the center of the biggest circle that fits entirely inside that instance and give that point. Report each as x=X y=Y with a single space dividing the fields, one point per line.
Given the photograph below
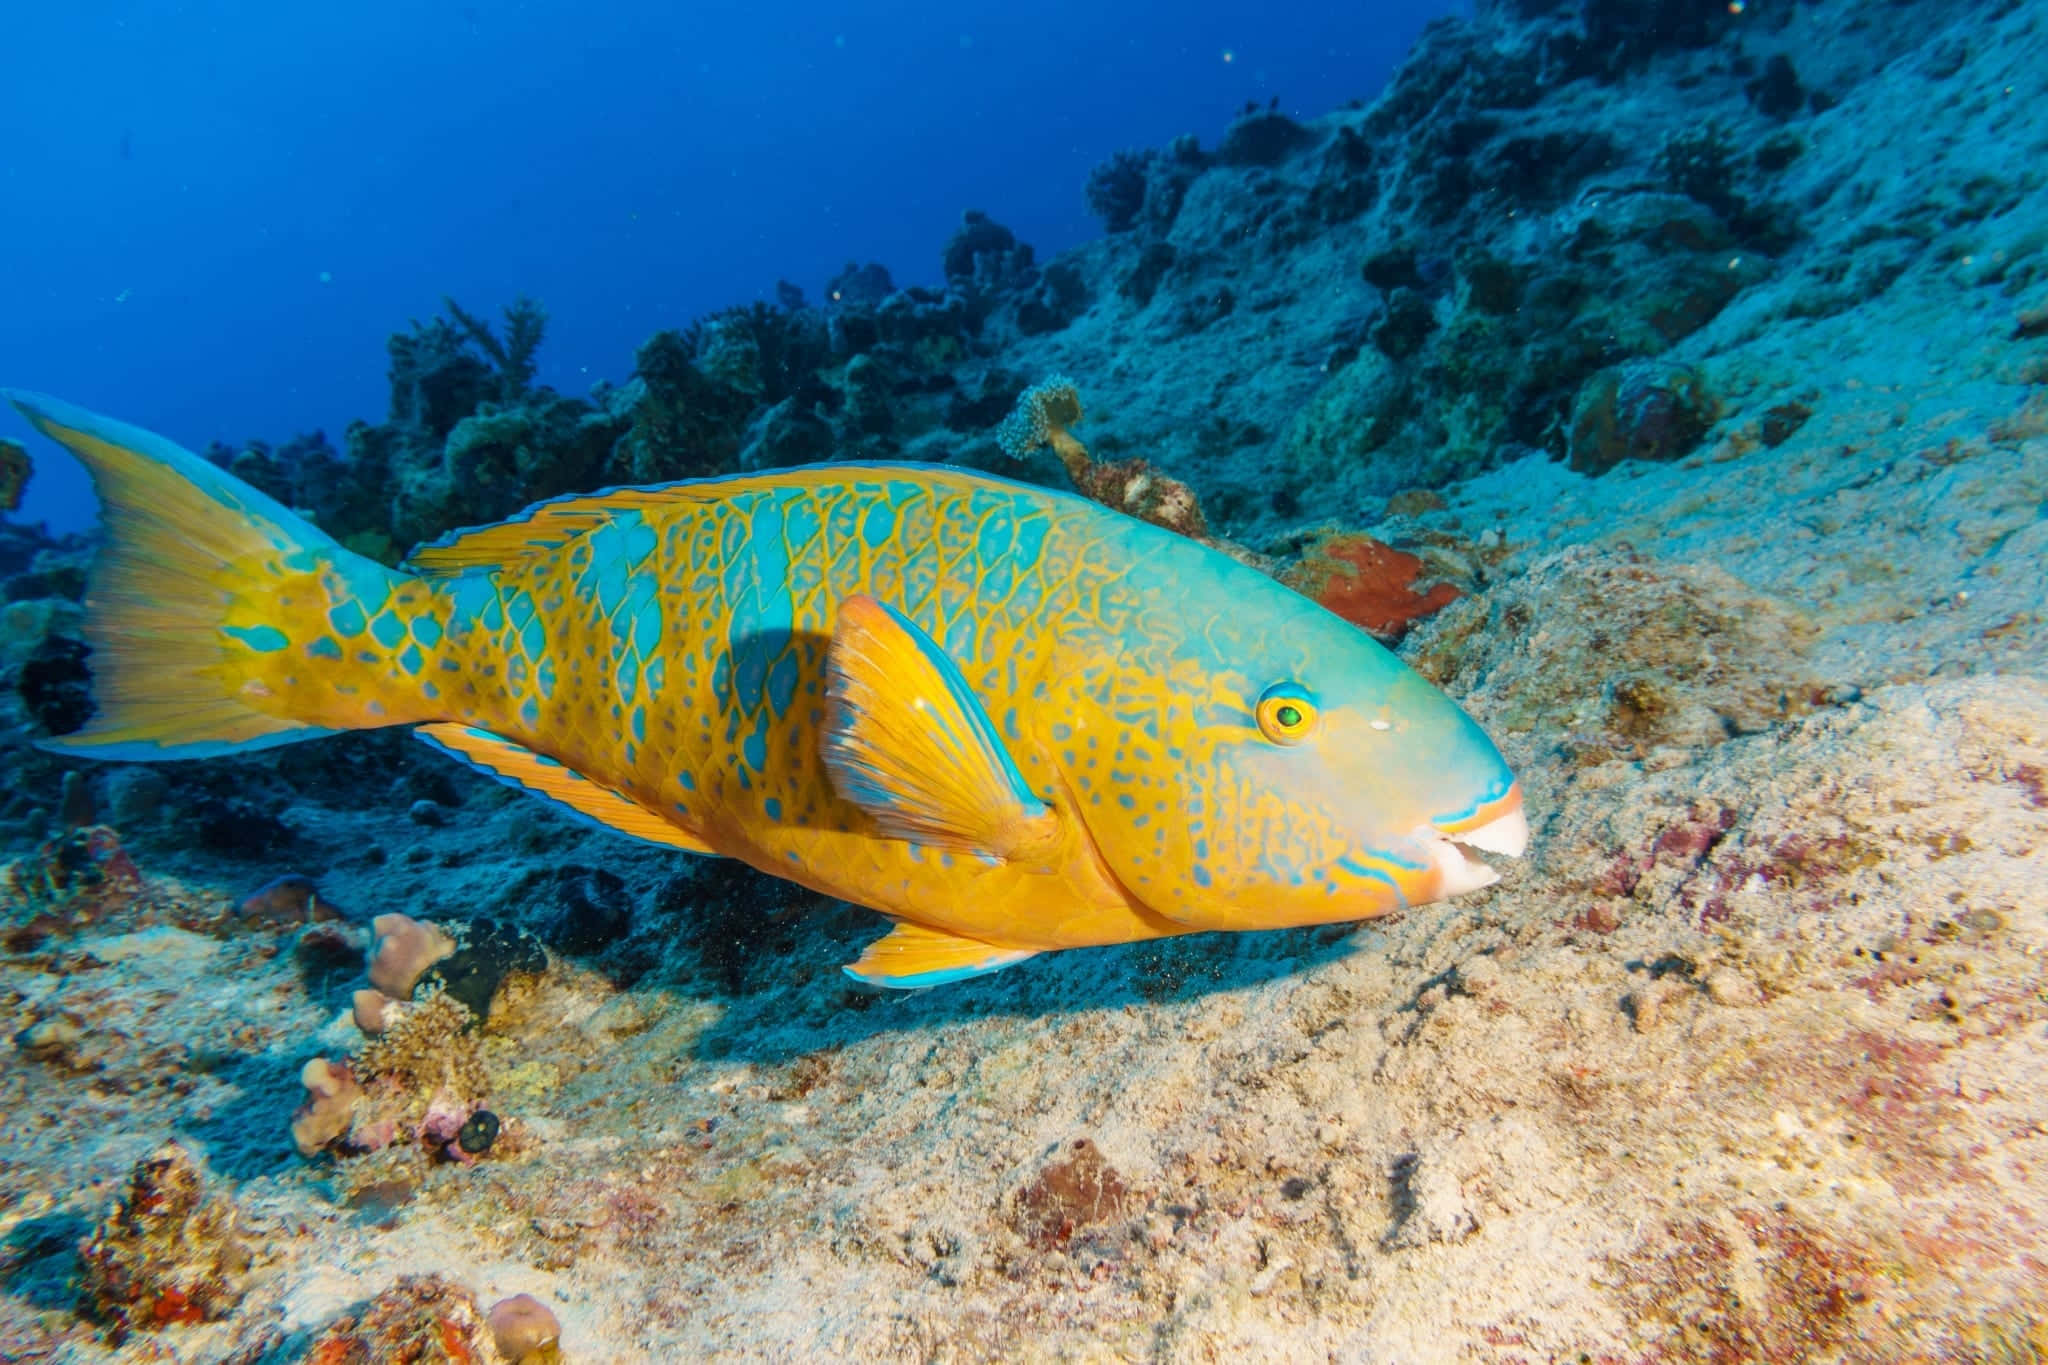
x=526 y=323
x=1045 y=415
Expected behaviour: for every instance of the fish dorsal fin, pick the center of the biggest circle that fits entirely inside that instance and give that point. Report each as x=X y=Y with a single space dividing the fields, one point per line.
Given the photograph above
x=913 y=956
x=551 y=524
x=541 y=527
x=908 y=743
x=521 y=767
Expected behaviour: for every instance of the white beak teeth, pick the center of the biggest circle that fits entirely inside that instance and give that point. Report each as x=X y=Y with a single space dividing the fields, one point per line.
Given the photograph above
x=1460 y=874
x=1508 y=835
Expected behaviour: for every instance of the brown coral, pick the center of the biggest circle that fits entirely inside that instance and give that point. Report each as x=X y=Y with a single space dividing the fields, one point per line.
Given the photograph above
x=421 y=1320
x=406 y=948
x=329 y=1108
x=526 y=1330
x=1076 y=1192
x=165 y=1253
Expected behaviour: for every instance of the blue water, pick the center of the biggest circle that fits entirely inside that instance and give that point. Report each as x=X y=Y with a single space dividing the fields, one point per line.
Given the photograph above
x=215 y=211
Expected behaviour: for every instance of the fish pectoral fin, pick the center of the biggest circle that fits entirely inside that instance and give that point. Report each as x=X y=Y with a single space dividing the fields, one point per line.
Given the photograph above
x=518 y=766
x=908 y=742
x=913 y=956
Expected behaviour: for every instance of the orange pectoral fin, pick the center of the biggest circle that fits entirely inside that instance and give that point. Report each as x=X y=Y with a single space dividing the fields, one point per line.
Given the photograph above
x=909 y=743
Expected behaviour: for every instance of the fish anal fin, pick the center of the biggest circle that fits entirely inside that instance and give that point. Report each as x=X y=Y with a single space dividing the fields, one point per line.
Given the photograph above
x=913 y=956
x=518 y=766
x=908 y=742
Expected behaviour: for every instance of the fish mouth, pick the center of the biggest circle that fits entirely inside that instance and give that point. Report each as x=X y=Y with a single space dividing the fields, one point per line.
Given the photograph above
x=1451 y=853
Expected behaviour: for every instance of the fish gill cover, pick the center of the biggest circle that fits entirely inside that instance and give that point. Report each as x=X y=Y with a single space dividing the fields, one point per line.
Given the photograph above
x=1667 y=384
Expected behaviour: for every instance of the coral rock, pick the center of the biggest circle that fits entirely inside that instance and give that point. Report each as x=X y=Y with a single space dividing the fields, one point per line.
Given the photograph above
x=421 y=1320
x=165 y=1253
x=1645 y=410
x=526 y=1332
x=329 y=1110
x=1076 y=1192
x=290 y=900
x=406 y=947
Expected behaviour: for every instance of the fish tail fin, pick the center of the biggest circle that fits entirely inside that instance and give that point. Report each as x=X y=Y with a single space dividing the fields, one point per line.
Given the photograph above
x=193 y=601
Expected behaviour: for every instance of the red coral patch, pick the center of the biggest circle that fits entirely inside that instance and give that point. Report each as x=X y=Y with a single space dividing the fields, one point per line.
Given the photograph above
x=1368 y=583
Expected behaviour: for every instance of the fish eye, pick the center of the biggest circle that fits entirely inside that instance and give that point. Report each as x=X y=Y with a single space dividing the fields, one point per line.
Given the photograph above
x=1286 y=713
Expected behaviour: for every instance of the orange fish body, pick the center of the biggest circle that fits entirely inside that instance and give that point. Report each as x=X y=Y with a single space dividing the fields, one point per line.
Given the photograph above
x=1008 y=718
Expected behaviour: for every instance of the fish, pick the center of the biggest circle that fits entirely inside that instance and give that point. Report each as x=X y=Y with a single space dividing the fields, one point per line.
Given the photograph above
x=1008 y=718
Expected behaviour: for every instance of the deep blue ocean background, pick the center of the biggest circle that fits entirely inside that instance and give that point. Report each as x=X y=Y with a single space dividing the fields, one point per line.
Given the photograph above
x=216 y=211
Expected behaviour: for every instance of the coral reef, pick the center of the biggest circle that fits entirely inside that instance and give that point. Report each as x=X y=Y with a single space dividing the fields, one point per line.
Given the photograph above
x=419 y=1080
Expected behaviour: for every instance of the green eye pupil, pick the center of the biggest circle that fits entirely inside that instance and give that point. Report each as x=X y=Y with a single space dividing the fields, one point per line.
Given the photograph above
x=1288 y=716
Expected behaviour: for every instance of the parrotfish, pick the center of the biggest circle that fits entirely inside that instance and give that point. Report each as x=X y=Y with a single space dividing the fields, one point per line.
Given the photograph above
x=1008 y=718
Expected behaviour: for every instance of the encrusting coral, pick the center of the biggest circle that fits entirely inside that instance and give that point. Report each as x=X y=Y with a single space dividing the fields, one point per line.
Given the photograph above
x=1368 y=583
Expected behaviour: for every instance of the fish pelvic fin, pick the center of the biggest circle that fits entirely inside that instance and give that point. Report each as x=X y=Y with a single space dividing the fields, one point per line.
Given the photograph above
x=521 y=767
x=908 y=742
x=913 y=956
x=197 y=602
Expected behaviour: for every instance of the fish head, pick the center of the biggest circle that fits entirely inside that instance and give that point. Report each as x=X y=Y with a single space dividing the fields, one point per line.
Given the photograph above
x=1285 y=769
